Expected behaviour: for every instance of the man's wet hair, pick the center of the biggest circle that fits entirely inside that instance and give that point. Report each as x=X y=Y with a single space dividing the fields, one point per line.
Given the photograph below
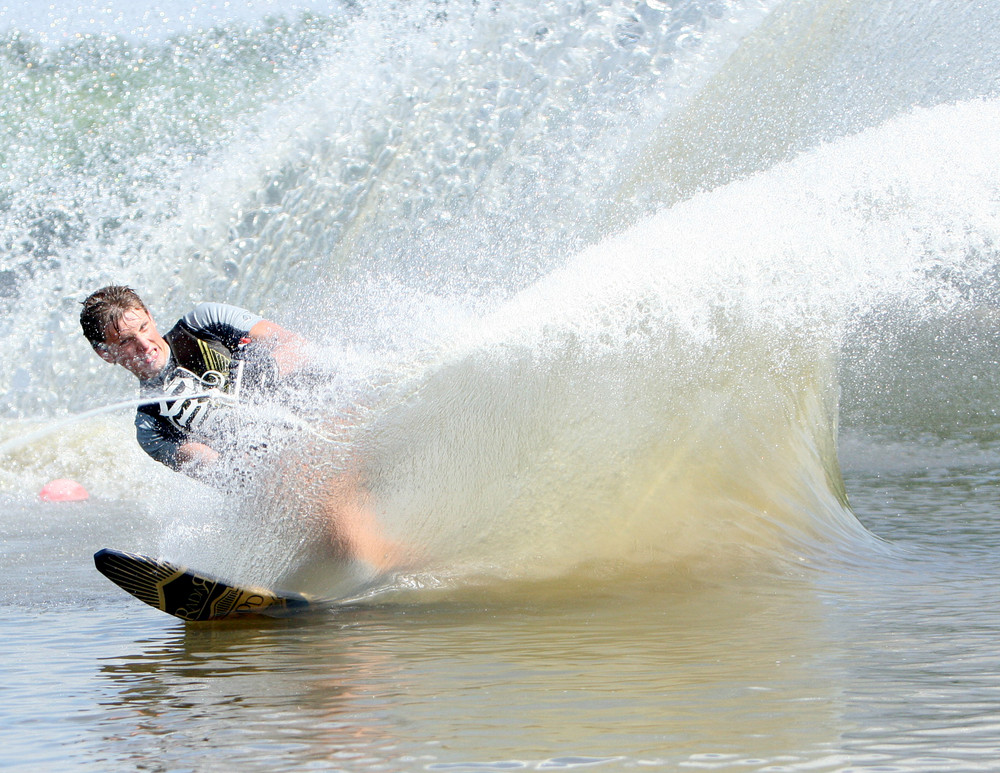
x=106 y=307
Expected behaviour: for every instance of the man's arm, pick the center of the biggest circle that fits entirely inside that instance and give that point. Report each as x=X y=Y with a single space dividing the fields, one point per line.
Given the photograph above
x=237 y=327
x=287 y=348
x=158 y=439
x=168 y=446
x=192 y=457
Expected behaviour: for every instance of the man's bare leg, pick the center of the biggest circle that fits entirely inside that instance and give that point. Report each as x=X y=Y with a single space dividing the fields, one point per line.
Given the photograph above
x=354 y=529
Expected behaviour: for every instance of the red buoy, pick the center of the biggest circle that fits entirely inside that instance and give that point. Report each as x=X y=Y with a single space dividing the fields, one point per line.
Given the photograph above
x=63 y=490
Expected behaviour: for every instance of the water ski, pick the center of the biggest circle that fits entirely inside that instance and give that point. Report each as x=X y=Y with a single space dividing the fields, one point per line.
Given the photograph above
x=188 y=595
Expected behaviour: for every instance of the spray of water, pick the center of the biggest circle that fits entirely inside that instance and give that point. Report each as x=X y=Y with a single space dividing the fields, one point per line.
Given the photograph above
x=589 y=280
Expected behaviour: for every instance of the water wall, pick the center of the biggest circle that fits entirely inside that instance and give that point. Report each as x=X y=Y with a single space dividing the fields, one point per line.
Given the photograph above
x=594 y=283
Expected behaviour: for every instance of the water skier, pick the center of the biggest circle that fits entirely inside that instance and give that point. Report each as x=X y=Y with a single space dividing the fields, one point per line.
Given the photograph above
x=213 y=356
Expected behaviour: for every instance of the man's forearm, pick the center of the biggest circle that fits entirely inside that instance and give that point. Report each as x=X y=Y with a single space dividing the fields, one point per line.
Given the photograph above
x=287 y=348
x=194 y=458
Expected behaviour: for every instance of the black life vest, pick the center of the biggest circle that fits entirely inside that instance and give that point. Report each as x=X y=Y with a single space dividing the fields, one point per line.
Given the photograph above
x=199 y=364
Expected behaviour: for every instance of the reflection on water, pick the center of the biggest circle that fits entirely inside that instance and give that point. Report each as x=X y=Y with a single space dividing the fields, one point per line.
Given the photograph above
x=591 y=675
x=888 y=660
x=288 y=685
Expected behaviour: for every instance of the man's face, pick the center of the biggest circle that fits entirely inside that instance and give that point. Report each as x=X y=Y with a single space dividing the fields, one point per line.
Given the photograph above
x=134 y=343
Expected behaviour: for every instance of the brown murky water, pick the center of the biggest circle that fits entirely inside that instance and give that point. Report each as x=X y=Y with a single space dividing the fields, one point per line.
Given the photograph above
x=886 y=662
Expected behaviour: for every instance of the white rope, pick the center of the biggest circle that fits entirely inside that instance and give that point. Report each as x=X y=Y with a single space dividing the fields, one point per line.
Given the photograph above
x=215 y=395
